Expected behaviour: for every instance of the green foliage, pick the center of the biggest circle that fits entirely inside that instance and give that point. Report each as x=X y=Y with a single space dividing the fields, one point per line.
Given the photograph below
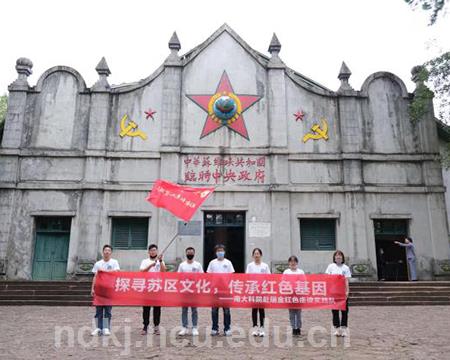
x=445 y=157
x=439 y=80
x=422 y=96
x=3 y=106
x=435 y=73
x=433 y=6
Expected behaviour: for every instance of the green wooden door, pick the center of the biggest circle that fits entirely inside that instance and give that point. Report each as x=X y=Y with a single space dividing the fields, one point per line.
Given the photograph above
x=50 y=253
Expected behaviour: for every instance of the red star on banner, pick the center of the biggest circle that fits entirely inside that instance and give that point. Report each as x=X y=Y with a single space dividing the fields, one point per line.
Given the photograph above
x=149 y=114
x=213 y=122
x=299 y=115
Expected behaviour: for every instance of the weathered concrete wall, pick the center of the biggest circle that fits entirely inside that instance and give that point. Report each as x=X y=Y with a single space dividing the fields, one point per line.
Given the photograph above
x=202 y=75
x=62 y=155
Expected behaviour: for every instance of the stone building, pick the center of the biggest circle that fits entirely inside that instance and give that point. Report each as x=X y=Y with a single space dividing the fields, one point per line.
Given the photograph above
x=298 y=168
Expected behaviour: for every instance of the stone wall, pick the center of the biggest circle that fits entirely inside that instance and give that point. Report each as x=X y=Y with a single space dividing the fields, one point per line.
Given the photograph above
x=62 y=154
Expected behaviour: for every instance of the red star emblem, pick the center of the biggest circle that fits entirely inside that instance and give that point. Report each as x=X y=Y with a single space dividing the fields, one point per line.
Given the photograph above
x=149 y=114
x=299 y=115
x=240 y=104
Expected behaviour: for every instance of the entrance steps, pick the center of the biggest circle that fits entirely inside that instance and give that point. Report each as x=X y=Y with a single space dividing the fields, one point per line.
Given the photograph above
x=77 y=293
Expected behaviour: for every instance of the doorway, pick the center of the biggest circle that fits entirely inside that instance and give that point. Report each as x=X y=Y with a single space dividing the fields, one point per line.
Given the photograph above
x=51 y=248
x=226 y=228
x=391 y=258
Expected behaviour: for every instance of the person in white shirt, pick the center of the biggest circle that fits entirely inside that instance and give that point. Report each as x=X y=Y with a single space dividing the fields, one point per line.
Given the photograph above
x=295 y=315
x=105 y=264
x=220 y=266
x=257 y=267
x=153 y=263
x=338 y=267
x=189 y=266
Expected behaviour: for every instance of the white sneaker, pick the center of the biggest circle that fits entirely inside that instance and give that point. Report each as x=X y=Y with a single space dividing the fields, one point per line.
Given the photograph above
x=106 y=332
x=337 y=332
x=228 y=333
x=214 y=332
x=344 y=331
x=194 y=332
x=96 y=332
x=255 y=331
x=183 y=331
x=261 y=332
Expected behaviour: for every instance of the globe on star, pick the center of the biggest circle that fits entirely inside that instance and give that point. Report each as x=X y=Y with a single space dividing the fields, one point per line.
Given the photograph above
x=225 y=108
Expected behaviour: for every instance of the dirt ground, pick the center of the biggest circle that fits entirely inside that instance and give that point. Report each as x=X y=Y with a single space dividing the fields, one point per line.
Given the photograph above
x=39 y=332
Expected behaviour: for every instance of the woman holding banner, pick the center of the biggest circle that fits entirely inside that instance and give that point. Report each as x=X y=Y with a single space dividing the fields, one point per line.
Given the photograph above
x=338 y=267
x=295 y=315
x=257 y=267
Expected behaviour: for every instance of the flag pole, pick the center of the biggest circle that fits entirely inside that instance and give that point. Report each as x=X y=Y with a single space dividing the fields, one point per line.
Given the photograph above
x=171 y=241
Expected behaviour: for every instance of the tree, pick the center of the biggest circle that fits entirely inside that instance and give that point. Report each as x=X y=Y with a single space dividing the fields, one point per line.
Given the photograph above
x=3 y=106
x=435 y=72
x=435 y=6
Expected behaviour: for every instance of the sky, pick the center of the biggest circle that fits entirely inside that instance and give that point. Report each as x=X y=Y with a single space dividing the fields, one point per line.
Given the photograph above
x=316 y=36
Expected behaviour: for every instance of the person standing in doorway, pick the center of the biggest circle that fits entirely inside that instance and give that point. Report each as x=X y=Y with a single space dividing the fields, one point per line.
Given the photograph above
x=257 y=267
x=295 y=315
x=220 y=266
x=153 y=263
x=382 y=264
x=101 y=312
x=338 y=267
x=410 y=257
x=189 y=266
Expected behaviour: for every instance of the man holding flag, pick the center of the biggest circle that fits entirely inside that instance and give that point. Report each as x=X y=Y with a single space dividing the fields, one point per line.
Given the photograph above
x=153 y=263
x=181 y=201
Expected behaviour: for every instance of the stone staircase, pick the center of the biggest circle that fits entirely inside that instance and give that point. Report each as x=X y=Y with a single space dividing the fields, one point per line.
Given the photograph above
x=52 y=293
x=400 y=293
x=77 y=293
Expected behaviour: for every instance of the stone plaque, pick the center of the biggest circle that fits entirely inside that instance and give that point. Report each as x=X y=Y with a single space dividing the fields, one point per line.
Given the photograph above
x=192 y=228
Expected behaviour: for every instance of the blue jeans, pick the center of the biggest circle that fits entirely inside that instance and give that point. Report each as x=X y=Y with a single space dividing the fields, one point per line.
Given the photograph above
x=184 y=316
x=295 y=317
x=412 y=269
x=103 y=312
x=226 y=319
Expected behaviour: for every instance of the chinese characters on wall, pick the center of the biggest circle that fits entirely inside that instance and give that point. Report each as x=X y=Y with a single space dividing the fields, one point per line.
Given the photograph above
x=230 y=169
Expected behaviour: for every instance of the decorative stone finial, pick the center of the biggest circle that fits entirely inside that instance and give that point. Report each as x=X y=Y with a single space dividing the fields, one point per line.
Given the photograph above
x=174 y=42
x=344 y=75
x=274 y=49
x=275 y=46
x=102 y=67
x=103 y=71
x=174 y=45
x=23 y=68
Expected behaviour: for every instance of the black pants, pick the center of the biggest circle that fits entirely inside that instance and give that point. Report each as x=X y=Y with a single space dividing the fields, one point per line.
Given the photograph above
x=344 y=318
x=156 y=315
x=255 y=316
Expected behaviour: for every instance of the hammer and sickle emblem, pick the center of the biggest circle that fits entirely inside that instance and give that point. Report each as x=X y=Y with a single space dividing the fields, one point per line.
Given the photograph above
x=318 y=132
x=131 y=129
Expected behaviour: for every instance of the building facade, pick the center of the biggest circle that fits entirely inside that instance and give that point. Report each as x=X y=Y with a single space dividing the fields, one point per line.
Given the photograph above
x=298 y=168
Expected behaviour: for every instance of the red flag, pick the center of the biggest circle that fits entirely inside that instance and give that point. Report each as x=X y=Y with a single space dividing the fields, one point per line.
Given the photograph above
x=182 y=201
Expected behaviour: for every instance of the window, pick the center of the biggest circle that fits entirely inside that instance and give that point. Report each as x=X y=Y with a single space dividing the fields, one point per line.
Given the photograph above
x=391 y=227
x=53 y=224
x=129 y=233
x=225 y=219
x=318 y=234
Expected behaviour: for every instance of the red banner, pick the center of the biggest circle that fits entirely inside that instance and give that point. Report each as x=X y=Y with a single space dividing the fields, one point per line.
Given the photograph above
x=220 y=290
x=181 y=201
